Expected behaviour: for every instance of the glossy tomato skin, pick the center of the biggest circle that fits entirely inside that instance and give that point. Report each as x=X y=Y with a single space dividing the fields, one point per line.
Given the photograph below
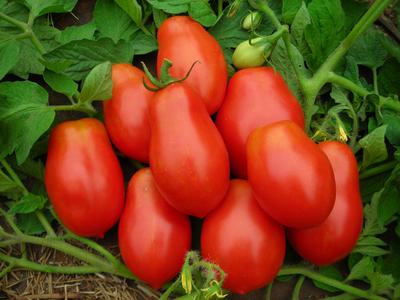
x=83 y=177
x=243 y=240
x=291 y=177
x=335 y=238
x=188 y=157
x=184 y=41
x=153 y=237
x=126 y=113
x=255 y=97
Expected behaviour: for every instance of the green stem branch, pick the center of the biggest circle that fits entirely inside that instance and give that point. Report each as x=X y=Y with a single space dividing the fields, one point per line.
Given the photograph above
x=7 y=269
x=297 y=288
x=387 y=166
x=82 y=107
x=45 y=223
x=347 y=84
x=329 y=281
x=11 y=20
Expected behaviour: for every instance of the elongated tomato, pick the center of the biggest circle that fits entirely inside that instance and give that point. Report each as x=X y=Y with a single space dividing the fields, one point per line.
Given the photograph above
x=335 y=238
x=291 y=177
x=126 y=113
x=243 y=240
x=153 y=236
x=188 y=157
x=183 y=41
x=83 y=177
x=255 y=97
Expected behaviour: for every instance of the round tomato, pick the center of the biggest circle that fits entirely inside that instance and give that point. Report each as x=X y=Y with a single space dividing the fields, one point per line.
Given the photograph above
x=188 y=157
x=83 y=177
x=126 y=113
x=291 y=177
x=243 y=240
x=153 y=237
x=183 y=41
x=338 y=234
x=255 y=97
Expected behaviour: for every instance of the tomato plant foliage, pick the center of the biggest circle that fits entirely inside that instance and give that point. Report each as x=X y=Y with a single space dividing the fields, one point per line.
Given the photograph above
x=341 y=59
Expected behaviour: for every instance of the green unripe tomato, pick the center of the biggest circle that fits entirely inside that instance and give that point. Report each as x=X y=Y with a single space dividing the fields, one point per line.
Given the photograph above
x=251 y=21
x=248 y=55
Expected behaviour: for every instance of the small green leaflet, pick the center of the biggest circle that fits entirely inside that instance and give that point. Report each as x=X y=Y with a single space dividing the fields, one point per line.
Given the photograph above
x=24 y=117
x=362 y=269
x=389 y=204
x=98 y=84
x=41 y=7
x=73 y=33
x=133 y=9
x=60 y=83
x=77 y=58
x=29 y=223
x=6 y=183
x=112 y=21
x=171 y=6
x=301 y=20
x=201 y=11
x=28 y=203
x=9 y=54
x=142 y=43
x=289 y=9
x=374 y=148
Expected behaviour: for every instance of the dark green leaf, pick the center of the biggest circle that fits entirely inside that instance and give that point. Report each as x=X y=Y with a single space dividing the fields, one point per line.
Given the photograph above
x=29 y=223
x=41 y=7
x=22 y=104
x=289 y=10
x=201 y=11
x=390 y=264
x=79 y=57
x=371 y=225
x=6 y=183
x=300 y=22
x=380 y=282
x=15 y=10
x=98 y=84
x=371 y=185
x=142 y=43
x=388 y=76
x=361 y=269
x=370 y=241
x=73 y=33
x=368 y=50
x=374 y=148
x=9 y=54
x=389 y=204
x=28 y=204
x=60 y=83
x=370 y=251
x=31 y=167
x=354 y=9
x=331 y=272
x=391 y=47
x=112 y=21
x=171 y=6
x=132 y=8
x=326 y=30
x=159 y=16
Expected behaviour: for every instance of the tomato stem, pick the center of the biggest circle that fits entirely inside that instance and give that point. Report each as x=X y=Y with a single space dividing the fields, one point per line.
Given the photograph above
x=387 y=166
x=297 y=288
x=329 y=281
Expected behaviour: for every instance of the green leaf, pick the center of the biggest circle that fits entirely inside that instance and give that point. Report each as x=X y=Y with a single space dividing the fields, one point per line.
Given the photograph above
x=79 y=57
x=361 y=269
x=326 y=30
x=381 y=282
x=133 y=9
x=371 y=185
x=201 y=11
x=374 y=148
x=73 y=33
x=31 y=167
x=41 y=7
x=171 y=6
x=289 y=9
x=354 y=9
x=142 y=43
x=22 y=104
x=15 y=10
x=98 y=84
x=331 y=272
x=370 y=250
x=368 y=50
x=371 y=225
x=112 y=21
x=391 y=46
x=9 y=54
x=300 y=22
x=28 y=204
x=370 y=241
x=388 y=76
x=60 y=83
x=6 y=184
x=159 y=17
x=389 y=204
x=29 y=223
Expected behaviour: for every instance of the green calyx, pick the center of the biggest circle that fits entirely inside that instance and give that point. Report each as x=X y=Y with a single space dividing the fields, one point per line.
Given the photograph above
x=165 y=78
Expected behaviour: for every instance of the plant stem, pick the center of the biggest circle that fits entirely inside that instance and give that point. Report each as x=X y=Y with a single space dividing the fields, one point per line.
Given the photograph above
x=45 y=223
x=375 y=80
x=13 y=175
x=297 y=288
x=27 y=264
x=35 y=41
x=6 y=270
x=329 y=281
x=341 y=297
x=83 y=107
x=269 y=291
x=220 y=7
x=11 y=20
x=347 y=84
x=390 y=103
x=387 y=166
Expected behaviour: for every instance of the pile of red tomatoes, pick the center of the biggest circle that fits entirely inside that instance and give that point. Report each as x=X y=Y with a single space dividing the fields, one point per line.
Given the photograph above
x=285 y=182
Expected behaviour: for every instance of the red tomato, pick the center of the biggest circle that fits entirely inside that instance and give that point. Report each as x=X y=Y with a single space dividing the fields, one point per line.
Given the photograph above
x=291 y=177
x=243 y=240
x=255 y=97
x=188 y=157
x=153 y=237
x=184 y=41
x=338 y=234
x=126 y=113
x=83 y=177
